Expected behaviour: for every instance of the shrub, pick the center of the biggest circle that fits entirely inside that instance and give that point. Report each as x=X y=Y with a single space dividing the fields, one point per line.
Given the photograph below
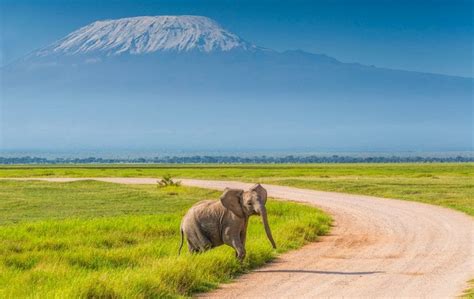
x=168 y=181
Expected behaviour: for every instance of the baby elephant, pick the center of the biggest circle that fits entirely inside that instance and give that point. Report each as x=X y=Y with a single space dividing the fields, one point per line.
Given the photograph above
x=210 y=223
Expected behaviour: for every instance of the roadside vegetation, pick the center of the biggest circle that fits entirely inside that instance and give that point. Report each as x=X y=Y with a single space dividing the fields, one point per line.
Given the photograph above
x=469 y=293
x=167 y=181
x=102 y=240
x=446 y=184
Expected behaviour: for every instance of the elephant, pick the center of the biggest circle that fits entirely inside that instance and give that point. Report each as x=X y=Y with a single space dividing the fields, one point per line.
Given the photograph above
x=211 y=223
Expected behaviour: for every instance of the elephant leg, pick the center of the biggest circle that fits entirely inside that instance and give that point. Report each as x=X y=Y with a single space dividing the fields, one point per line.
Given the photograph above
x=243 y=236
x=204 y=242
x=191 y=247
x=239 y=248
x=198 y=242
x=233 y=238
x=240 y=251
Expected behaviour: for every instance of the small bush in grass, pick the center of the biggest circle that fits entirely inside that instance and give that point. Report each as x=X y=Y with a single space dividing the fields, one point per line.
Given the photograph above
x=167 y=181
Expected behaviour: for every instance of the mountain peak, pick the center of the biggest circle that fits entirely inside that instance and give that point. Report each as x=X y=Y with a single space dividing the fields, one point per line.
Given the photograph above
x=147 y=34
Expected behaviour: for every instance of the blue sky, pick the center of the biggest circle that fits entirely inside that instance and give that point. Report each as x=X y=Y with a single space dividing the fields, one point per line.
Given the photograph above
x=427 y=36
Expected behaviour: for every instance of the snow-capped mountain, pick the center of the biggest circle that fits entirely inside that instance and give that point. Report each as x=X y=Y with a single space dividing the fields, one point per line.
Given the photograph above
x=143 y=35
x=181 y=80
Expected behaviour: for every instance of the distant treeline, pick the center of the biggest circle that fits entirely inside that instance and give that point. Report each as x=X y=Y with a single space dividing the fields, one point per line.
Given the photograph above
x=236 y=159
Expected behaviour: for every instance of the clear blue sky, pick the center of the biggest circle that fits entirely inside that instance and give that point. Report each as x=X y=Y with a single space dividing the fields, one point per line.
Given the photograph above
x=428 y=36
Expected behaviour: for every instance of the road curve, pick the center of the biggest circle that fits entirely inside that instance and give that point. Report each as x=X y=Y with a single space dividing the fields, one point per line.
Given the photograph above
x=378 y=248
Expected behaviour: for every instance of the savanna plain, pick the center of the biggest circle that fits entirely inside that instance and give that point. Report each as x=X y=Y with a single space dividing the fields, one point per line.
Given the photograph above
x=97 y=239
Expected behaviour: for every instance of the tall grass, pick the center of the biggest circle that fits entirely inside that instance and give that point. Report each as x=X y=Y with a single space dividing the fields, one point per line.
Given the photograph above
x=129 y=252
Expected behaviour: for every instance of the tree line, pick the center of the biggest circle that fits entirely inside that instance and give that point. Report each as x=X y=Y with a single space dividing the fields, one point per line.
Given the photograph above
x=238 y=159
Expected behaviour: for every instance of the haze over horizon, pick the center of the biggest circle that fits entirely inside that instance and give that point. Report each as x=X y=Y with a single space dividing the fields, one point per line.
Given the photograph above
x=188 y=83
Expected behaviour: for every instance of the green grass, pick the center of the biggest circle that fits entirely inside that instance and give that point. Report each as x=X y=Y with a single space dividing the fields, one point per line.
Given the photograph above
x=446 y=184
x=101 y=240
x=469 y=293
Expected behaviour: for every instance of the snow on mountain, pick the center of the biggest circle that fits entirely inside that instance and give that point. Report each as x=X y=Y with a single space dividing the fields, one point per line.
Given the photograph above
x=140 y=35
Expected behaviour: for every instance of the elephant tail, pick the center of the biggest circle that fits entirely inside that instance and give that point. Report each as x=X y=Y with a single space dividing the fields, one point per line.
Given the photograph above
x=182 y=239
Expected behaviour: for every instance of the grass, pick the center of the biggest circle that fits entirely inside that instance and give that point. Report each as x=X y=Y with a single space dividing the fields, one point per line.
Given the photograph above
x=102 y=240
x=445 y=184
x=469 y=293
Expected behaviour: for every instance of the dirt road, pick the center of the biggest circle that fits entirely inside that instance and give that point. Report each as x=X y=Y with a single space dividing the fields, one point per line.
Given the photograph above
x=378 y=248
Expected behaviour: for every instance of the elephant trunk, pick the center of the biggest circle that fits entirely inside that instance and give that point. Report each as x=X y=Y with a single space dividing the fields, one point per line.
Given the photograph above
x=263 y=212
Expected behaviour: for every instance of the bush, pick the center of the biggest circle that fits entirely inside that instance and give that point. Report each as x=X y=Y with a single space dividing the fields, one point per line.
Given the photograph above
x=168 y=181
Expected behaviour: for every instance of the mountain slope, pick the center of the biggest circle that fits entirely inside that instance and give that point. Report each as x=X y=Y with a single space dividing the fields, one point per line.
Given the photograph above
x=186 y=82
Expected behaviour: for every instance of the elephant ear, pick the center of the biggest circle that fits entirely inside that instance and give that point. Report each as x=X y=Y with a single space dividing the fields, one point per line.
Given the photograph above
x=262 y=192
x=232 y=200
